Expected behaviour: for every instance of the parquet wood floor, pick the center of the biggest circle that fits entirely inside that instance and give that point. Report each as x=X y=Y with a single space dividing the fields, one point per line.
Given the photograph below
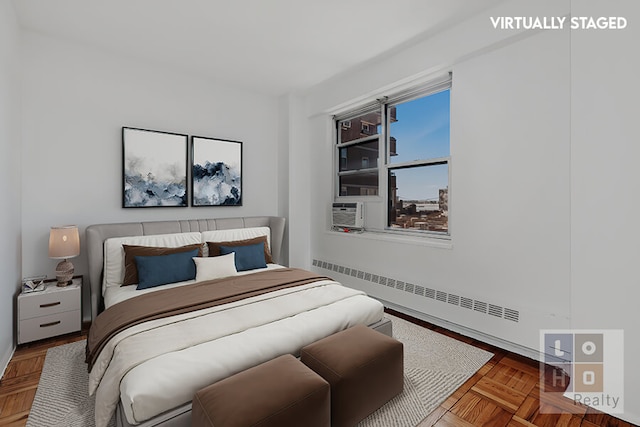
x=20 y=380
x=504 y=392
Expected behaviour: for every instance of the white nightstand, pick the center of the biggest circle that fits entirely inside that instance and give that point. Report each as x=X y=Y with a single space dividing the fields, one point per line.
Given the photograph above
x=54 y=311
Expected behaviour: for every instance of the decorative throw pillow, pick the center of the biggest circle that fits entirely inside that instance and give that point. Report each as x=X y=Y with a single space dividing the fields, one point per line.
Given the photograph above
x=248 y=257
x=214 y=247
x=163 y=269
x=215 y=267
x=131 y=251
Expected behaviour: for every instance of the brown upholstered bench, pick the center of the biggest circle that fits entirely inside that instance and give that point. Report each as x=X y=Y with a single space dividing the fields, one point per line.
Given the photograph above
x=282 y=392
x=364 y=368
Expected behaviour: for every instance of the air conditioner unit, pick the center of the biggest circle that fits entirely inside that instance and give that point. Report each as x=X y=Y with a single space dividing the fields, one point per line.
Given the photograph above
x=348 y=215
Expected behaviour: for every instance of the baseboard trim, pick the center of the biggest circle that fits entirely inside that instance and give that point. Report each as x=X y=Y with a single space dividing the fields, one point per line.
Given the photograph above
x=4 y=362
x=472 y=333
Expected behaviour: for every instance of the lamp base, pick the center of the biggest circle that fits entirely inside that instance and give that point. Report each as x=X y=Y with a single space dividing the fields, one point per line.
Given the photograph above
x=64 y=273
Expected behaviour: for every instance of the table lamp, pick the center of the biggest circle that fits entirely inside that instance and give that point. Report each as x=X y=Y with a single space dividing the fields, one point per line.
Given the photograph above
x=64 y=243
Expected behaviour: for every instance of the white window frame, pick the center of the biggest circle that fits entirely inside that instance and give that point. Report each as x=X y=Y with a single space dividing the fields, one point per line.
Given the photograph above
x=385 y=166
x=340 y=145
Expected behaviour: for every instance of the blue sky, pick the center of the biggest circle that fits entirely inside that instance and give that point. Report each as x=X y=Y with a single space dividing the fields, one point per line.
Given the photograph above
x=422 y=132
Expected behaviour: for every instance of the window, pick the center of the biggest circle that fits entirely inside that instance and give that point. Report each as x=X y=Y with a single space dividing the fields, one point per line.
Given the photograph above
x=399 y=148
x=358 y=150
x=418 y=167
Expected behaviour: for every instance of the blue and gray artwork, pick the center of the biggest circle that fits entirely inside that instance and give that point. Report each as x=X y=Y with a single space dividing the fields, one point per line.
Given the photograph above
x=146 y=190
x=216 y=184
x=155 y=171
x=216 y=172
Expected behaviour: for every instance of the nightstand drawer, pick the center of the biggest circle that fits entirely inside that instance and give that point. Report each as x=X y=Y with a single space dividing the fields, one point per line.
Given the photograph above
x=48 y=326
x=47 y=303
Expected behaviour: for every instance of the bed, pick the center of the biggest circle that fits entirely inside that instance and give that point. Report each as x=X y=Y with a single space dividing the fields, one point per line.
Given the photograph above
x=147 y=372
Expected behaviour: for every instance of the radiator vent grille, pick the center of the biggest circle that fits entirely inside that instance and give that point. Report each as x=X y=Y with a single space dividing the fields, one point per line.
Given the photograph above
x=480 y=306
x=511 y=314
x=495 y=310
x=423 y=291
x=466 y=303
x=453 y=299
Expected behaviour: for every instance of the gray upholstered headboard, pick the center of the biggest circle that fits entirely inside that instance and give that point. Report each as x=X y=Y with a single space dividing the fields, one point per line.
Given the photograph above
x=98 y=233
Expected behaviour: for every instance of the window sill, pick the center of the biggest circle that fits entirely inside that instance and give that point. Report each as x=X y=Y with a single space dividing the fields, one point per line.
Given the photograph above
x=396 y=237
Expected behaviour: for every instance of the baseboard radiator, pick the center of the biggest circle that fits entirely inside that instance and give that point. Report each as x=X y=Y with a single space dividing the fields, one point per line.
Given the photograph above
x=460 y=301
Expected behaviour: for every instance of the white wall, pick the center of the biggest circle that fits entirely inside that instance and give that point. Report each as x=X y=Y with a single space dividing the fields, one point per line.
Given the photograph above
x=75 y=102
x=544 y=182
x=605 y=181
x=510 y=182
x=9 y=176
x=300 y=183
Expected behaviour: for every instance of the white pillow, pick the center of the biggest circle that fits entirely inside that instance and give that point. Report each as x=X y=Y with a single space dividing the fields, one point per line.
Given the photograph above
x=215 y=267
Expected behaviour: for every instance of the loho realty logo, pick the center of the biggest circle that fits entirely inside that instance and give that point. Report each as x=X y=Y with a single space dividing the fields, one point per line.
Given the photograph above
x=588 y=367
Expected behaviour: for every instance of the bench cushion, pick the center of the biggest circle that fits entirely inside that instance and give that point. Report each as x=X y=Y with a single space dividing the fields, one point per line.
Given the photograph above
x=364 y=368
x=281 y=392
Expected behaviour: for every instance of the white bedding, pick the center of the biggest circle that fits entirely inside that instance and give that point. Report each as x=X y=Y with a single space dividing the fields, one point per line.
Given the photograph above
x=153 y=369
x=116 y=294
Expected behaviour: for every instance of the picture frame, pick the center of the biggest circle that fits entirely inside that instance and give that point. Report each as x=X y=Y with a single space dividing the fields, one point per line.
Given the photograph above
x=216 y=172
x=154 y=168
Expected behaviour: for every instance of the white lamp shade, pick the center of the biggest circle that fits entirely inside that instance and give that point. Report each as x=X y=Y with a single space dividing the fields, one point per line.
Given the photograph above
x=64 y=242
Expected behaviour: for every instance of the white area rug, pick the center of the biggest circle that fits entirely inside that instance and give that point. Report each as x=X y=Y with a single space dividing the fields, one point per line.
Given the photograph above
x=62 y=398
x=435 y=366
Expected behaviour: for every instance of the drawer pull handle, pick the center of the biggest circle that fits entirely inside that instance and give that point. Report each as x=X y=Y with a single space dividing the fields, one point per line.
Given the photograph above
x=46 y=325
x=51 y=304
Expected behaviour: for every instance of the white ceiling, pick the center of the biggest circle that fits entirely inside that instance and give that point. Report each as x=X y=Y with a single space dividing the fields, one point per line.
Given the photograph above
x=272 y=46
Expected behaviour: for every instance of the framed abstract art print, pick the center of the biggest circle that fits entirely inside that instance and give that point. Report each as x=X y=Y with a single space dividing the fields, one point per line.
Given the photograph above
x=154 y=168
x=216 y=172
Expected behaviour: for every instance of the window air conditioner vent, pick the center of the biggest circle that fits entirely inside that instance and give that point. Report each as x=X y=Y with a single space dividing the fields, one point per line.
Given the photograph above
x=348 y=215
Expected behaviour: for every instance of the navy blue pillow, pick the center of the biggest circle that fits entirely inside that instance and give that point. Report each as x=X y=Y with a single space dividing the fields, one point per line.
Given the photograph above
x=247 y=257
x=162 y=269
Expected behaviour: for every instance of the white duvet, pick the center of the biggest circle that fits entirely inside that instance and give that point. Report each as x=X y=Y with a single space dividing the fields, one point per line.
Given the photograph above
x=159 y=365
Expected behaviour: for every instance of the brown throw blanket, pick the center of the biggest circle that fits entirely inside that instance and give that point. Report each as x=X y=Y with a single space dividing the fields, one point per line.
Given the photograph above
x=182 y=299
